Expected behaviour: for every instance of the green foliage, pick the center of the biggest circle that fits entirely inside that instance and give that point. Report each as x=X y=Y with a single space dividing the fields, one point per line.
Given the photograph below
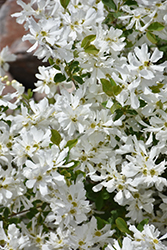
x=56 y=137
x=151 y=37
x=88 y=47
x=122 y=226
x=140 y=226
x=110 y=4
x=156 y=88
x=156 y=26
x=64 y=3
x=72 y=143
x=91 y=49
x=59 y=78
x=78 y=79
x=110 y=87
x=87 y=40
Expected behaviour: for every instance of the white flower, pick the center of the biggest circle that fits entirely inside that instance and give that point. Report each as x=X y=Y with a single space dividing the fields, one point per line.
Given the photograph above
x=141 y=62
x=126 y=244
x=5 y=57
x=148 y=238
x=70 y=205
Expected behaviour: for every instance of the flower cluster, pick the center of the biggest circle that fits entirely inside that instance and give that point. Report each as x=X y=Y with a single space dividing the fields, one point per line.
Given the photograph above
x=85 y=167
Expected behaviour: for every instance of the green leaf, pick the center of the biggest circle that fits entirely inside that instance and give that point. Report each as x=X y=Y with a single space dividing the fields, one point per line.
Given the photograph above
x=113 y=83
x=107 y=87
x=29 y=93
x=119 y=113
x=156 y=26
x=115 y=106
x=73 y=65
x=33 y=211
x=76 y=163
x=6 y=212
x=110 y=4
x=105 y=195
x=122 y=226
x=87 y=40
x=64 y=3
x=100 y=222
x=151 y=37
x=140 y=226
x=78 y=79
x=110 y=87
x=56 y=137
x=71 y=143
x=91 y=49
x=130 y=2
x=51 y=62
x=156 y=88
x=99 y=202
x=59 y=78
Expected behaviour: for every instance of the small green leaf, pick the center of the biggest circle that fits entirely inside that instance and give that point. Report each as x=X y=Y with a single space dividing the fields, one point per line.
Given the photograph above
x=107 y=87
x=110 y=4
x=110 y=87
x=156 y=26
x=87 y=40
x=76 y=163
x=115 y=106
x=151 y=37
x=140 y=226
x=6 y=212
x=56 y=137
x=33 y=211
x=156 y=88
x=64 y=3
x=113 y=83
x=71 y=143
x=59 y=78
x=91 y=49
x=51 y=62
x=130 y=2
x=122 y=226
x=78 y=79
x=99 y=202
x=73 y=65
x=100 y=222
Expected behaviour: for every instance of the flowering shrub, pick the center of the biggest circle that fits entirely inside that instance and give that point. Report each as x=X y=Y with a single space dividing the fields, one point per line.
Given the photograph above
x=86 y=167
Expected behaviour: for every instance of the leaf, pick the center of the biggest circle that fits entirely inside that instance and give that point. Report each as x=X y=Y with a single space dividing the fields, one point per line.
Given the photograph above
x=130 y=2
x=87 y=40
x=6 y=212
x=59 y=78
x=155 y=26
x=71 y=143
x=151 y=37
x=107 y=87
x=110 y=4
x=56 y=137
x=32 y=213
x=122 y=226
x=64 y=3
x=29 y=93
x=140 y=226
x=100 y=222
x=76 y=163
x=115 y=106
x=73 y=65
x=78 y=79
x=110 y=87
x=99 y=202
x=91 y=49
x=156 y=88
